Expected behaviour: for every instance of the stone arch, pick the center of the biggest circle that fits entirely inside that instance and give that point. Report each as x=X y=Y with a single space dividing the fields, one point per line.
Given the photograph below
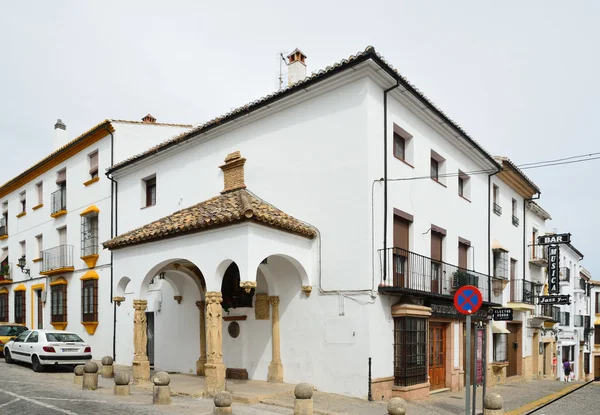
x=122 y=286
x=291 y=261
x=172 y=266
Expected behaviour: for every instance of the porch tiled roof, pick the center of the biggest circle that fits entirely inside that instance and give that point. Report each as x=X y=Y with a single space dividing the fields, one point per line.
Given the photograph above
x=226 y=209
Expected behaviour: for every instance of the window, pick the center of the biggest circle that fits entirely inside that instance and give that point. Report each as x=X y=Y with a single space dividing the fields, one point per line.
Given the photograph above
x=515 y=219
x=586 y=363
x=40 y=192
x=89 y=300
x=464 y=185
x=597 y=303
x=438 y=168
x=33 y=337
x=23 y=249
x=63 y=337
x=597 y=335
x=59 y=303
x=463 y=255
x=4 y=306
x=59 y=197
x=150 y=191
x=22 y=337
x=4 y=219
x=89 y=234
x=93 y=160
x=23 y=201
x=399 y=147
x=233 y=295
x=435 y=170
x=20 y=307
x=500 y=349
x=410 y=351
x=500 y=264
x=61 y=178
x=496 y=199
x=40 y=245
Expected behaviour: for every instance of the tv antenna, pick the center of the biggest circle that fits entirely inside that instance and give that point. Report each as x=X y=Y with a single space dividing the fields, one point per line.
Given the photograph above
x=281 y=70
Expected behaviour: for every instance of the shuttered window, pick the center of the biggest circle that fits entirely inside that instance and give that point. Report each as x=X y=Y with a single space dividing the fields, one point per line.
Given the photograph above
x=401 y=229
x=463 y=251
x=94 y=164
x=436 y=245
x=61 y=177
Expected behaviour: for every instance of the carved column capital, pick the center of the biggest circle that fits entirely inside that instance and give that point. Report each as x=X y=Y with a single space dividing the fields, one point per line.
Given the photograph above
x=140 y=305
x=248 y=285
x=274 y=300
x=118 y=300
x=214 y=297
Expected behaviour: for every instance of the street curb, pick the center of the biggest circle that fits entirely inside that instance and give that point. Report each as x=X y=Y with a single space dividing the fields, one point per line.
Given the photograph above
x=539 y=402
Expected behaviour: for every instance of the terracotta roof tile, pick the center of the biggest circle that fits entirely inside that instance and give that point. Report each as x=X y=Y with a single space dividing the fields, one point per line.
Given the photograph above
x=226 y=209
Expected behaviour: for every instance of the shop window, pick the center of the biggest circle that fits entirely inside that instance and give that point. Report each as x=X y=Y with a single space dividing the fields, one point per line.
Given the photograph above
x=500 y=347
x=234 y=296
x=410 y=351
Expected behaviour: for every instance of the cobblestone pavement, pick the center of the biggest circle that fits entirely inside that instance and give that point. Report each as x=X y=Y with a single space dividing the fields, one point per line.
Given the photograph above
x=584 y=401
x=25 y=392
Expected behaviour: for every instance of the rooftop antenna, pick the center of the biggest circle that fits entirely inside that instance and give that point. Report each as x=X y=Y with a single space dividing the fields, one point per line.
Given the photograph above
x=281 y=70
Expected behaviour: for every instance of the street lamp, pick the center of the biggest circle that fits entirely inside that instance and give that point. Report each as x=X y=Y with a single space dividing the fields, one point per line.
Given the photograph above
x=21 y=264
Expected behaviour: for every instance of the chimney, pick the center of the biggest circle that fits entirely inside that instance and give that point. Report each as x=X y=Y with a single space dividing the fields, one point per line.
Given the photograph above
x=296 y=67
x=233 y=172
x=149 y=119
x=60 y=134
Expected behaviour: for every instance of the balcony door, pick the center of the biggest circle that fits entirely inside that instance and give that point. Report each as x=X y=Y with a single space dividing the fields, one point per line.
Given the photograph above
x=463 y=251
x=514 y=290
x=437 y=356
x=400 y=254
x=62 y=236
x=436 y=259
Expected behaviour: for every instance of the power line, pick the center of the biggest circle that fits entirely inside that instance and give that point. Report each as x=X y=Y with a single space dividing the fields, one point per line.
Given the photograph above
x=526 y=166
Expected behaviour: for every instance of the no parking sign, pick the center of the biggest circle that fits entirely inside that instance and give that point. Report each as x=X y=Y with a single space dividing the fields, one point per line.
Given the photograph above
x=467 y=299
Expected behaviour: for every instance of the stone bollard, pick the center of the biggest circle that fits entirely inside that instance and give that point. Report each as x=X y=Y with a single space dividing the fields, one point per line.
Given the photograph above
x=78 y=371
x=303 y=404
x=90 y=376
x=162 y=390
x=108 y=370
x=223 y=402
x=492 y=404
x=396 y=406
x=122 y=387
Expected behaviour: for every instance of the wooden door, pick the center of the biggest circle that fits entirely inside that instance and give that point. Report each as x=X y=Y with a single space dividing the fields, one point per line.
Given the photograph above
x=40 y=311
x=400 y=256
x=596 y=367
x=437 y=356
x=463 y=250
x=436 y=266
x=514 y=349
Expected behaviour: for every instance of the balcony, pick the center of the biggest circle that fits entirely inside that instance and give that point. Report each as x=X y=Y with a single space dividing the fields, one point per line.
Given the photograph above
x=6 y=269
x=522 y=294
x=413 y=273
x=565 y=274
x=497 y=209
x=538 y=255
x=59 y=203
x=515 y=220
x=57 y=260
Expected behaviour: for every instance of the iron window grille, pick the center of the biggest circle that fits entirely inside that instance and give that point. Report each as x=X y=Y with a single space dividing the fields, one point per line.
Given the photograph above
x=497 y=209
x=500 y=264
x=410 y=351
x=500 y=347
x=20 y=307
x=515 y=220
x=89 y=234
x=59 y=200
x=59 y=304
x=4 y=307
x=89 y=301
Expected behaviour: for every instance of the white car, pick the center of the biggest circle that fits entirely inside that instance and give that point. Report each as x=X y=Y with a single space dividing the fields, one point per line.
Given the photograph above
x=47 y=347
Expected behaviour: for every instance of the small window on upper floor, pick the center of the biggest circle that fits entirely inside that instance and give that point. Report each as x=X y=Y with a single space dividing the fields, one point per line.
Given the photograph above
x=438 y=168
x=149 y=191
x=403 y=145
x=399 y=147
x=464 y=185
x=515 y=218
x=93 y=160
x=23 y=201
x=496 y=199
x=39 y=187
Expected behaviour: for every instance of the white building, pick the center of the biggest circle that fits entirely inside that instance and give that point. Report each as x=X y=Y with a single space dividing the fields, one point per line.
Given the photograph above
x=54 y=215
x=594 y=332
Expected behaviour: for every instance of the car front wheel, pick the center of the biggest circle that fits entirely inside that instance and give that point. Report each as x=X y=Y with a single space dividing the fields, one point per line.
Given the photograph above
x=7 y=357
x=36 y=365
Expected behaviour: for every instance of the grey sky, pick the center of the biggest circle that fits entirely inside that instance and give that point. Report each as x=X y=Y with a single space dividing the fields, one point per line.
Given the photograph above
x=520 y=77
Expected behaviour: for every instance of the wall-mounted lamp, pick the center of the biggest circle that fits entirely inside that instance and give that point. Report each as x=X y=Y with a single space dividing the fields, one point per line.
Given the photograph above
x=21 y=264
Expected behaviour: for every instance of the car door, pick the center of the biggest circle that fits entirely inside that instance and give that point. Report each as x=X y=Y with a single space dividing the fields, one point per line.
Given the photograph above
x=16 y=350
x=30 y=346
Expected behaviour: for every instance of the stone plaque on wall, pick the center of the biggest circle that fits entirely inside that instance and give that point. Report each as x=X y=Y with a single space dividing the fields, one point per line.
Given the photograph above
x=262 y=307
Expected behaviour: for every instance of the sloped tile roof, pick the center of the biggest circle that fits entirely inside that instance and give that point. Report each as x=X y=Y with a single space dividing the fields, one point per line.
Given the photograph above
x=226 y=209
x=368 y=53
x=502 y=159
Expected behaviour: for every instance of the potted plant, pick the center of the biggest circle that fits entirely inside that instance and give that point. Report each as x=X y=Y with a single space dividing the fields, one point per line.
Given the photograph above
x=4 y=270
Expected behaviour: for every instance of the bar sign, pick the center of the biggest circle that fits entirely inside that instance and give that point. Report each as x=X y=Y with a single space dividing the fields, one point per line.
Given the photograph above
x=553 y=269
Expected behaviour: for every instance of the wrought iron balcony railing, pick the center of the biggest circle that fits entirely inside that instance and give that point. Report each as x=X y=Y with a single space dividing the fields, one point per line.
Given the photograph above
x=551 y=311
x=497 y=209
x=521 y=291
x=57 y=258
x=59 y=200
x=538 y=255
x=411 y=272
x=515 y=220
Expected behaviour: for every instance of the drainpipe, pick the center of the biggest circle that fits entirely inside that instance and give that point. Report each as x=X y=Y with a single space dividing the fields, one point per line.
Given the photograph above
x=113 y=228
x=525 y=237
x=385 y=176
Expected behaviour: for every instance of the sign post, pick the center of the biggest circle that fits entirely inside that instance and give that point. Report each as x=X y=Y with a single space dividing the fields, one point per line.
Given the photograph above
x=467 y=301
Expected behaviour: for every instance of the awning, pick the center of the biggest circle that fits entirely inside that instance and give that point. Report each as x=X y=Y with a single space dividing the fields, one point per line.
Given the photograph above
x=4 y=255
x=498 y=329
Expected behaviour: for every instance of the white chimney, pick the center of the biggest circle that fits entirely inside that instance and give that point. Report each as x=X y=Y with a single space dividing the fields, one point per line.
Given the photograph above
x=60 y=134
x=296 y=67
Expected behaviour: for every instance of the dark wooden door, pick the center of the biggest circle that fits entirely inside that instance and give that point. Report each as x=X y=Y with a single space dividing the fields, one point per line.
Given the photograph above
x=463 y=250
x=514 y=349
x=40 y=311
x=436 y=263
x=437 y=356
x=401 y=248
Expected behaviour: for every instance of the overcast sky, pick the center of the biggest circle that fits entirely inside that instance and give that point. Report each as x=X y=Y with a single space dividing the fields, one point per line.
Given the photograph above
x=520 y=77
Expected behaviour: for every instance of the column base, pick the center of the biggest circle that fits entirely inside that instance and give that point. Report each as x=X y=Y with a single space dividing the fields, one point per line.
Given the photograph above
x=200 y=371
x=141 y=371
x=275 y=373
x=215 y=377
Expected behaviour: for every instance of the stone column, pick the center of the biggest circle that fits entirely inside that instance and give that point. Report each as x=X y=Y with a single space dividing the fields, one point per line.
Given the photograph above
x=141 y=365
x=276 y=367
x=214 y=368
x=202 y=360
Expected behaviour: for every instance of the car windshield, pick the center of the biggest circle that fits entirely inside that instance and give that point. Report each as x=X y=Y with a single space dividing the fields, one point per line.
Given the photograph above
x=63 y=337
x=11 y=330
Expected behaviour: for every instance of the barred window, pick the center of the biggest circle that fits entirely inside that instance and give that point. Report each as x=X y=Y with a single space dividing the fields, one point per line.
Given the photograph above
x=89 y=300
x=500 y=347
x=59 y=304
x=4 y=307
x=410 y=351
x=89 y=234
x=20 y=307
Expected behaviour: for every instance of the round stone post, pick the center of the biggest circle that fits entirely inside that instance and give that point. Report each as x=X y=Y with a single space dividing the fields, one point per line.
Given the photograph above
x=303 y=404
x=162 y=390
x=492 y=404
x=275 y=373
x=396 y=406
x=214 y=368
x=108 y=370
x=223 y=402
x=78 y=372
x=141 y=365
x=122 y=387
x=90 y=376
x=202 y=360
